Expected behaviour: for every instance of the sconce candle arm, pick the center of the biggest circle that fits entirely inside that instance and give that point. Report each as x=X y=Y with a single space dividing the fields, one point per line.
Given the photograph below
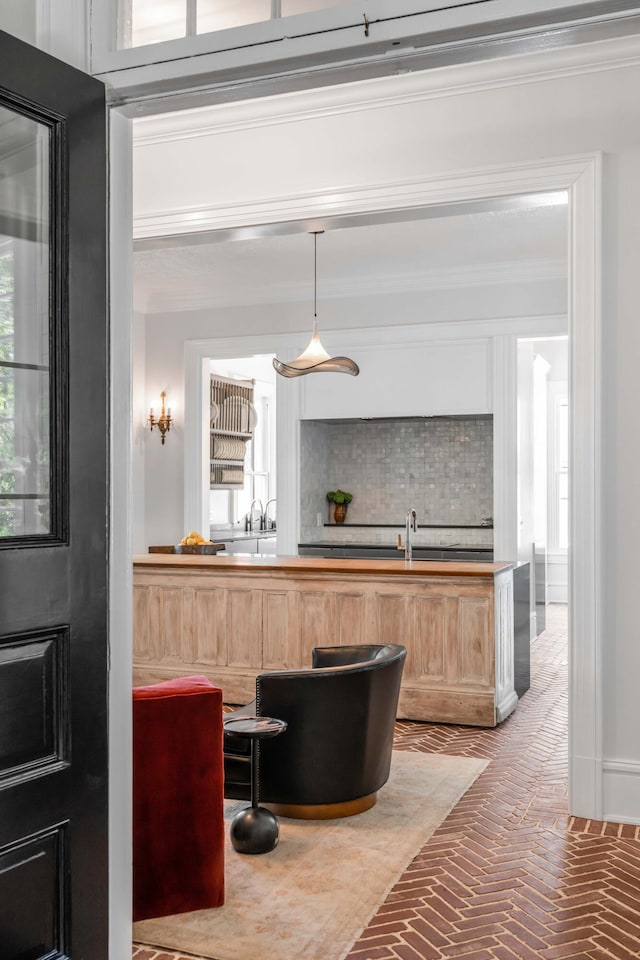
x=164 y=421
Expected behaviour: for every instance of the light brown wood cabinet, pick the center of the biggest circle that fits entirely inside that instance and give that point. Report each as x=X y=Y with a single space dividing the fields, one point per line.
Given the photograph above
x=230 y=620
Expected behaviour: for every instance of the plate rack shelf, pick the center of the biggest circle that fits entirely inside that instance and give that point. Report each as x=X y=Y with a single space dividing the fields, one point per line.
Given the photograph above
x=232 y=419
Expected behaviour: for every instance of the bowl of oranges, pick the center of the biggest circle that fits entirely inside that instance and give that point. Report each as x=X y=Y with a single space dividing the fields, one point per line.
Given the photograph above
x=196 y=543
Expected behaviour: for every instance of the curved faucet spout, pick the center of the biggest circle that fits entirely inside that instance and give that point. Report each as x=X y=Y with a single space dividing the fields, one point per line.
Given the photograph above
x=251 y=515
x=411 y=525
x=269 y=524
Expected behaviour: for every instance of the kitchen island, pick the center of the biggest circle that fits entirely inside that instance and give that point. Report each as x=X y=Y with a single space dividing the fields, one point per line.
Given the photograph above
x=230 y=618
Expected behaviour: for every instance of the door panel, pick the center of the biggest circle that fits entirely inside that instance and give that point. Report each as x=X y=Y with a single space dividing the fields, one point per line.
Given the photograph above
x=53 y=510
x=34 y=691
x=34 y=900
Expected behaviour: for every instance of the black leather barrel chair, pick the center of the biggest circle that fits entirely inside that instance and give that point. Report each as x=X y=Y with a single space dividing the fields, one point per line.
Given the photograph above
x=336 y=751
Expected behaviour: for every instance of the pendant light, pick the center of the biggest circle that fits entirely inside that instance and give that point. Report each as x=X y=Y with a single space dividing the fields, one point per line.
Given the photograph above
x=315 y=358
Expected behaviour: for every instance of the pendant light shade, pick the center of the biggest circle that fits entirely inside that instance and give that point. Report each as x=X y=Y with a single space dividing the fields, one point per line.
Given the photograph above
x=315 y=358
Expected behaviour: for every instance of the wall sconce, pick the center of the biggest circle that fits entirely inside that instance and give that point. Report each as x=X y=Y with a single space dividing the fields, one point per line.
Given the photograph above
x=164 y=421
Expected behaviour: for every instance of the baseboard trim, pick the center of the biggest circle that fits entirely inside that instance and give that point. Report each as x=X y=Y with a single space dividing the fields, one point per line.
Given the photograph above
x=621 y=791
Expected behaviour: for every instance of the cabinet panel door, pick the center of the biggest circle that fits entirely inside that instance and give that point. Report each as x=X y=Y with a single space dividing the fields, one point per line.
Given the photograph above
x=437 y=378
x=475 y=653
x=281 y=636
x=317 y=612
x=244 y=628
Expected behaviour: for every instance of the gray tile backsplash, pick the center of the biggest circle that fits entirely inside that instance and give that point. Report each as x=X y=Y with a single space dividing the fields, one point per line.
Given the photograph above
x=442 y=466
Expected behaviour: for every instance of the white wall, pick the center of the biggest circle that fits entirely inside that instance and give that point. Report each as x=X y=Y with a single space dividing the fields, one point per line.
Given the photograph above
x=164 y=488
x=19 y=19
x=140 y=407
x=166 y=334
x=455 y=120
x=59 y=27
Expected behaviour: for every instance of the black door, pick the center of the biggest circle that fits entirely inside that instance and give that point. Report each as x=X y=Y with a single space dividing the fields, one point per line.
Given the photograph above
x=53 y=510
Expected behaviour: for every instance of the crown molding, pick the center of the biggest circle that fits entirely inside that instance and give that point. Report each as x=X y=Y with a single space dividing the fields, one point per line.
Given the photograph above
x=474 y=184
x=618 y=53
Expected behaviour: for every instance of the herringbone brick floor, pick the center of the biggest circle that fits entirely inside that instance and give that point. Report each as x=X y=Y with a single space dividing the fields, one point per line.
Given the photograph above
x=508 y=874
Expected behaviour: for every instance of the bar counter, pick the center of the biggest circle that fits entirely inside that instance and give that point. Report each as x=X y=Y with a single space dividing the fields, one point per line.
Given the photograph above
x=412 y=568
x=230 y=618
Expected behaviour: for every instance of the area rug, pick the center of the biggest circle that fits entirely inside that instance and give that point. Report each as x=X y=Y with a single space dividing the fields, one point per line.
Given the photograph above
x=314 y=894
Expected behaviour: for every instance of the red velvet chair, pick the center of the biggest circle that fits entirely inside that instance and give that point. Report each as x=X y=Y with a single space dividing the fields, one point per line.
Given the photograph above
x=178 y=783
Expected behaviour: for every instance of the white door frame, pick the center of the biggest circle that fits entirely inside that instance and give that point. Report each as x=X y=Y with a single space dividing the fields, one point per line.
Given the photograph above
x=120 y=535
x=581 y=177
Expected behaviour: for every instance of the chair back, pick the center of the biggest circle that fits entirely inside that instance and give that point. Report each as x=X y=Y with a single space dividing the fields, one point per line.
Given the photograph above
x=340 y=718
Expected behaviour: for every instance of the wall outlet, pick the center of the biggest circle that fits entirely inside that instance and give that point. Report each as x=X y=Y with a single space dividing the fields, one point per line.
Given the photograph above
x=318 y=519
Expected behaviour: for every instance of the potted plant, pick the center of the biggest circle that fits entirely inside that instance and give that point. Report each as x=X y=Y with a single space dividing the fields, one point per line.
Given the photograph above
x=340 y=499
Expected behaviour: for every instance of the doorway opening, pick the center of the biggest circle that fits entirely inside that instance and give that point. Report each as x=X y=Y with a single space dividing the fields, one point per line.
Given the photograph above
x=543 y=471
x=579 y=177
x=243 y=470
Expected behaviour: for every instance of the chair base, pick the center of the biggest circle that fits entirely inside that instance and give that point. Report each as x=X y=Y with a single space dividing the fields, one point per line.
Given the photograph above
x=323 y=811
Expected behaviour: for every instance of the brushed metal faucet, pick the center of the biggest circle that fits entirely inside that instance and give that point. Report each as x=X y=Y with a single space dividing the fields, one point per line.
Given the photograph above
x=251 y=520
x=268 y=524
x=411 y=525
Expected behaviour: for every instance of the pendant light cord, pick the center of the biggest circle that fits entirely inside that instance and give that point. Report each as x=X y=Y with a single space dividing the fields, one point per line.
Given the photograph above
x=315 y=281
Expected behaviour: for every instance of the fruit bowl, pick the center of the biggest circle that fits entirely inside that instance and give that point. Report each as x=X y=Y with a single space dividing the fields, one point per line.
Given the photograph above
x=199 y=548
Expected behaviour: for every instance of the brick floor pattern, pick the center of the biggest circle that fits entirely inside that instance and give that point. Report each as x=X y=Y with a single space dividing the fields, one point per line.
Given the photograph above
x=508 y=875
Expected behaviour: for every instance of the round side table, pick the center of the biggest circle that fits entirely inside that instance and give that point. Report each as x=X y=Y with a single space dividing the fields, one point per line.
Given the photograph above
x=255 y=829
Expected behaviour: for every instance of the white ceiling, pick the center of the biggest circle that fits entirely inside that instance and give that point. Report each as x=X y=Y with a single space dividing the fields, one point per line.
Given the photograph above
x=525 y=238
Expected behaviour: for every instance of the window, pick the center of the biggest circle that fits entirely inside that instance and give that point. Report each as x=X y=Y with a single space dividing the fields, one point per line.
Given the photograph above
x=258 y=484
x=228 y=508
x=25 y=298
x=153 y=21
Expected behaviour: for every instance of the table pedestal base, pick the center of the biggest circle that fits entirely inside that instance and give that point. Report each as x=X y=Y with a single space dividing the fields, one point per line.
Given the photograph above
x=254 y=830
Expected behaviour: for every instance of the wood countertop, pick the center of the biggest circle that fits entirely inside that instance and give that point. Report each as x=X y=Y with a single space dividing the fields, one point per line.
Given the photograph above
x=412 y=568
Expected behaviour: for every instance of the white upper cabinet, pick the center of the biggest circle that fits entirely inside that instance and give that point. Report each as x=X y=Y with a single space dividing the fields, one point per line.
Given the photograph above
x=421 y=379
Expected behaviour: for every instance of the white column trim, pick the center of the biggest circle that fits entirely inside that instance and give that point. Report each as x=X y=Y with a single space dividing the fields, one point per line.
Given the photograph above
x=506 y=696
x=288 y=464
x=505 y=448
x=196 y=421
x=120 y=538
x=585 y=484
